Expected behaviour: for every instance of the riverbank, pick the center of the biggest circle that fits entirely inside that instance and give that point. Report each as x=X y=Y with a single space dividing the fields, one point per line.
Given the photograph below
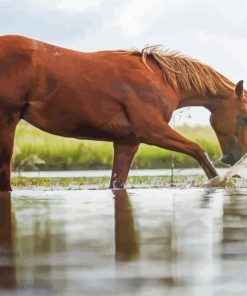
x=103 y=182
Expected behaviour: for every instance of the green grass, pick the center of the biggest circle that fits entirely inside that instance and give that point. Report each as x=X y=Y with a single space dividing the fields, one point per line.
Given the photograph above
x=36 y=149
x=103 y=182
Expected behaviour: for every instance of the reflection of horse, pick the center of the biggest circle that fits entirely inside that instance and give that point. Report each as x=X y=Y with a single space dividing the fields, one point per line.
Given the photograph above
x=126 y=97
x=126 y=237
x=234 y=234
x=7 y=272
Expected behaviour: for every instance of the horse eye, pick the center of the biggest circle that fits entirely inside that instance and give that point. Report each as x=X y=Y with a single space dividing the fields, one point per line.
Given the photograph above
x=245 y=120
x=241 y=120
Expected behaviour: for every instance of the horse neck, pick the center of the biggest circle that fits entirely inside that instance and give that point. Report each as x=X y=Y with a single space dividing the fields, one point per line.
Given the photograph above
x=207 y=100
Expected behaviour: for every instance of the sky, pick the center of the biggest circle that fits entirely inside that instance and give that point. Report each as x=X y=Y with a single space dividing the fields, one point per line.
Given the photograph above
x=212 y=31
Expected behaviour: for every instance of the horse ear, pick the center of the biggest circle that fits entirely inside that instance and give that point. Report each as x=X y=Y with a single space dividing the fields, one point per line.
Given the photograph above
x=239 y=89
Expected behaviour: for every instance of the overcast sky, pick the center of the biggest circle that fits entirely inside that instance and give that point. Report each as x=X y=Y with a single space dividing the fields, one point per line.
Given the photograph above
x=213 y=31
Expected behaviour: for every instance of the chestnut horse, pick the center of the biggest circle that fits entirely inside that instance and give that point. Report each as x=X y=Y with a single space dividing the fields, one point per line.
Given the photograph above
x=126 y=97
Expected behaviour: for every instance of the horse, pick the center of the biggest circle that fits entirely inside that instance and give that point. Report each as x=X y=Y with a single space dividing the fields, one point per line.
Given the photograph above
x=126 y=97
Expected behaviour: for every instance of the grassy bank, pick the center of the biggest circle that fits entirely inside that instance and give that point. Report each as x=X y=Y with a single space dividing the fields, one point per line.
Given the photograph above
x=103 y=182
x=35 y=149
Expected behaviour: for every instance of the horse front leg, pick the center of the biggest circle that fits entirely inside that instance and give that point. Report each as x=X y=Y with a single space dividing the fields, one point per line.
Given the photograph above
x=123 y=156
x=7 y=131
x=165 y=137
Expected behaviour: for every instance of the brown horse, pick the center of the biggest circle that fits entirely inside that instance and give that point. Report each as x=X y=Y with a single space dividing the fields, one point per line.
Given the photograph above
x=126 y=97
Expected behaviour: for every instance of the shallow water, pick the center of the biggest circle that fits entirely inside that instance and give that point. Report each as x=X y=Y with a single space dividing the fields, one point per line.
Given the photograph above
x=107 y=173
x=239 y=169
x=135 y=242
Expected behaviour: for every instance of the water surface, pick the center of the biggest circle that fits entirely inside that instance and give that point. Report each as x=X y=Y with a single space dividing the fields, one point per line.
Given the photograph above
x=134 y=242
x=107 y=173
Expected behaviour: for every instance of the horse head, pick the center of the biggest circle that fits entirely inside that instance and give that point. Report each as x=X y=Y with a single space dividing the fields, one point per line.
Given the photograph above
x=229 y=121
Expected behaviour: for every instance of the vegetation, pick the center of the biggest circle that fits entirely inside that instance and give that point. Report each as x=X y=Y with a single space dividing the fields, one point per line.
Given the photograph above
x=103 y=182
x=35 y=149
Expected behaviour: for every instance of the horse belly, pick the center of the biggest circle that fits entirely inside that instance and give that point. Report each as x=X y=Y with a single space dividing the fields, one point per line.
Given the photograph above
x=111 y=127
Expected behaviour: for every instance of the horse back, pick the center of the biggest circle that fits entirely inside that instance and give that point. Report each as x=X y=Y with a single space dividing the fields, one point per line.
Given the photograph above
x=84 y=95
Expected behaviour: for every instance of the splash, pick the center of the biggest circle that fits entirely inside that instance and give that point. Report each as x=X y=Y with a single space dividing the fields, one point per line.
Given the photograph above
x=236 y=176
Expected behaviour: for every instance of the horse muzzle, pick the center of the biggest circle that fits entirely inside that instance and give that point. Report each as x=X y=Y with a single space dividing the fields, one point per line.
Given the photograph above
x=228 y=159
x=232 y=157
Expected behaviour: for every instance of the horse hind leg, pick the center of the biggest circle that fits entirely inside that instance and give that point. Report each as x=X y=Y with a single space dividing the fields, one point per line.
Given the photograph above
x=123 y=156
x=8 y=124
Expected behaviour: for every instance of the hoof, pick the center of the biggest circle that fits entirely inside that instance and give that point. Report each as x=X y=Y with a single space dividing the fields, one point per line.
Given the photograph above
x=118 y=184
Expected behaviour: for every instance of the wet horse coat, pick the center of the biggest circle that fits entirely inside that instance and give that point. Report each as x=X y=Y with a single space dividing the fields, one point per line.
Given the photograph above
x=126 y=97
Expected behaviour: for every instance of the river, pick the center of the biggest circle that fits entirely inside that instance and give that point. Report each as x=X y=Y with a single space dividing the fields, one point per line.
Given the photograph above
x=133 y=242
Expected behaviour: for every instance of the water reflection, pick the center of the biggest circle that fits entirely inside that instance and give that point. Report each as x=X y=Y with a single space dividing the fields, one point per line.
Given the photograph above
x=39 y=243
x=126 y=235
x=136 y=242
x=7 y=243
x=234 y=235
x=233 y=247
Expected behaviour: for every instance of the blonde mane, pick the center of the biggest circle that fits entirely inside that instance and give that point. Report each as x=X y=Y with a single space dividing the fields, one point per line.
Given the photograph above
x=181 y=72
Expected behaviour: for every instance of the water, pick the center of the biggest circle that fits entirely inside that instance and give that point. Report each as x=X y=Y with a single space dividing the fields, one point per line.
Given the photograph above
x=239 y=169
x=187 y=241
x=136 y=242
x=107 y=173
